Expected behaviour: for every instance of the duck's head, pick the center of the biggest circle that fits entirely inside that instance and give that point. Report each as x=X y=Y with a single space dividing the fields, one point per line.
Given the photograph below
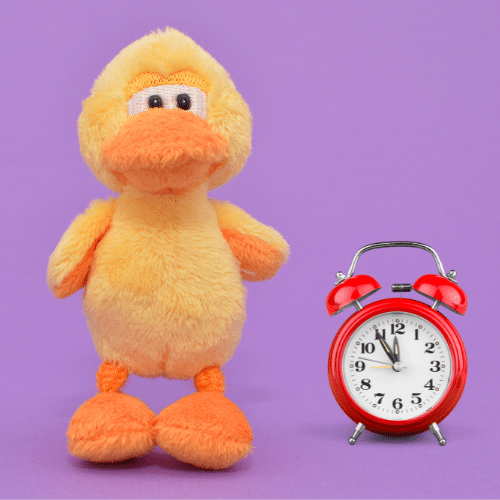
x=164 y=117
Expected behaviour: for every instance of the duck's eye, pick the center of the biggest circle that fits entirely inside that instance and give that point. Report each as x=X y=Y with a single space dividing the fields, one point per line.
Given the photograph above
x=184 y=101
x=155 y=101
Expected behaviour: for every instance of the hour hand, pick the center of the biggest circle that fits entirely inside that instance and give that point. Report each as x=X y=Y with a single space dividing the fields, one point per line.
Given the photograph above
x=386 y=347
x=395 y=349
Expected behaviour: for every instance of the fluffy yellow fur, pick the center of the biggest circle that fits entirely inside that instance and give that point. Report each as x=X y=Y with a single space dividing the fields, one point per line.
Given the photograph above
x=76 y=242
x=164 y=296
x=163 y=280
x=165 y=53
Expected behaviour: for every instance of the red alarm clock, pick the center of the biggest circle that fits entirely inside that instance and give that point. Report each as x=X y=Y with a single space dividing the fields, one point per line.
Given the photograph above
x=397 y=366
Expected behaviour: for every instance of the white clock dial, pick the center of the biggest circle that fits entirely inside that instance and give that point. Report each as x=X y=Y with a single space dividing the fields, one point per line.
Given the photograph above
x=403 y=390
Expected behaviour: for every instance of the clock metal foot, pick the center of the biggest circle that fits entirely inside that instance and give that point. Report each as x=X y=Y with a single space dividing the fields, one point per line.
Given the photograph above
x=435 y=430
x=359 y=429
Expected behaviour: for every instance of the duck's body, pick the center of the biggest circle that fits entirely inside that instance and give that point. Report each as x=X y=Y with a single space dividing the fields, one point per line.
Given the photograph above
x=164 y=295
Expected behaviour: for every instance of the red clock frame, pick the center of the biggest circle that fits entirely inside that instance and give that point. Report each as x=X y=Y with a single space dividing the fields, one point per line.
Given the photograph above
x=398 y=427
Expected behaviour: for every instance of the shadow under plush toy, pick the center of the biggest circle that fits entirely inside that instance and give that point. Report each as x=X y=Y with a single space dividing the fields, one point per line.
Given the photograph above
x=162 y=264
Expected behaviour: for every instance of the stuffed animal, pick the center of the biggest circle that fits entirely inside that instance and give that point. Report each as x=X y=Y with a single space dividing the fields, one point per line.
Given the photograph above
x=162 y=264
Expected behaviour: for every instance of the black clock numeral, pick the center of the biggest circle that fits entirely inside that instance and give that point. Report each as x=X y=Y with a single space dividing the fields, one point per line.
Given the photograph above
x=430 y=385
x=398 y=328
x=382 y=333
x=416 y=396
x=397 y=404
x=381 y=396
x=430 y=347
x=366 y=384
x=436 y=367
x=416 y=333
x=367 y=348
x=360 y=366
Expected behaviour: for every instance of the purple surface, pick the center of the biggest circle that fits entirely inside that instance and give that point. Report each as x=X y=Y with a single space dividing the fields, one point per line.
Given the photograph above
x=373 y=121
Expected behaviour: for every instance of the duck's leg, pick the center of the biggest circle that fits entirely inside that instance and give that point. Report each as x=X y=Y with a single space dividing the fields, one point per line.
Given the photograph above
x=205 y=429
x=111 y=426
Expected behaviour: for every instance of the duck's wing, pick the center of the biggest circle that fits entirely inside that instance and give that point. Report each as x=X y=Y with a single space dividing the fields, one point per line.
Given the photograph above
x=260 y=249
x=70 y=262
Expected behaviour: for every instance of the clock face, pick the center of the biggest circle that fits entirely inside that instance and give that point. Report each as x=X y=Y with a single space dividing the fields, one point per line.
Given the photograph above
x=402 y=390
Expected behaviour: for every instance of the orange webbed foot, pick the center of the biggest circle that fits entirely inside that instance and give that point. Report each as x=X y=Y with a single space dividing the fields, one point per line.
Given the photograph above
x=111 y=427
x=205 y=429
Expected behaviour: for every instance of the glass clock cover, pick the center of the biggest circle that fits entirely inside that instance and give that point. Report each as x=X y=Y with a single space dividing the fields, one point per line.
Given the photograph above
x=408 y=389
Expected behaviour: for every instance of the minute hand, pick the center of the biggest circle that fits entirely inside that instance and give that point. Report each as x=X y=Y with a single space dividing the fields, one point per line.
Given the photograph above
x=386 y=347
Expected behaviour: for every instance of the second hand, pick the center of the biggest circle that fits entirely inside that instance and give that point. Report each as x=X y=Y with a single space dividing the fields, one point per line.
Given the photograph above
x=373 y=360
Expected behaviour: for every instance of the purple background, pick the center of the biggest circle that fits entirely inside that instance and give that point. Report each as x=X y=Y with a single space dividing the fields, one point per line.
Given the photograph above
x=373 y=120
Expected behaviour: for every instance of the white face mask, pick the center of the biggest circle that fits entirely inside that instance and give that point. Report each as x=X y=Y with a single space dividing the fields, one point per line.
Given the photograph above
x=169 y=97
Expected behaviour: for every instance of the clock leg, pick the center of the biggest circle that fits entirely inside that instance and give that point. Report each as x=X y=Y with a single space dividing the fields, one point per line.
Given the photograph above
x=435 y=430
x=359 y=429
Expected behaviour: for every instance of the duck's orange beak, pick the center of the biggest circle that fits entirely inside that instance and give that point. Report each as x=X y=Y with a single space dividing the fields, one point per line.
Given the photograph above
x=162 y=150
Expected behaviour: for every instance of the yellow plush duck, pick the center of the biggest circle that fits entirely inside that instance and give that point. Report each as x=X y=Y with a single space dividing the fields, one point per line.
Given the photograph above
x=162 y=264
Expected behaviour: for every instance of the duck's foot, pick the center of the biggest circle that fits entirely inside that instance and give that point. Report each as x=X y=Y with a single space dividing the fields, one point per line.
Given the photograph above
x=111 y=427
x=204 y=429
